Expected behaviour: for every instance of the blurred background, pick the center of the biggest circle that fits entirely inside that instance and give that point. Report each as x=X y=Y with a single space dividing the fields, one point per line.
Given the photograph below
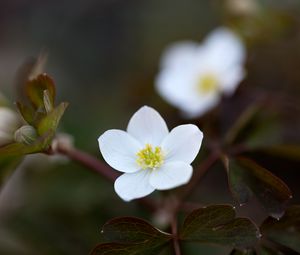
x=104 y=56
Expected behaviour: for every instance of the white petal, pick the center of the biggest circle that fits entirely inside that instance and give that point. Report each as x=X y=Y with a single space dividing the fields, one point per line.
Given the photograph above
x=133 y=185
x=231 y=79
x=176 y=86
x=147 y=126
x=182 y=144
x=119 y=150
x=224 y=49
x=178 y=55
x=199 y=105
x=171 y=175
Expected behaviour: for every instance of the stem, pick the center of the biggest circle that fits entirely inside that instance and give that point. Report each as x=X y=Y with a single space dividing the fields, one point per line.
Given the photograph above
x=175 y=236
x=242 y=121
x=88 y=161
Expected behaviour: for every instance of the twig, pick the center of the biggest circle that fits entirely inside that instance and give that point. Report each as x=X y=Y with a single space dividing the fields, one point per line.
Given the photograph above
x=241 y=122
x=88 y=161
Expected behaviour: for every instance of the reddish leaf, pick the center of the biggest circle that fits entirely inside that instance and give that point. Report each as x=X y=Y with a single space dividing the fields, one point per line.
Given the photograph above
x=130 y=236
x=217 y=224
x=286 y=231
x=245 y=178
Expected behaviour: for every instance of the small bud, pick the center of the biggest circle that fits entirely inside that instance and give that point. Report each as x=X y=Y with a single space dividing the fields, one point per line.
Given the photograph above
x=26 y=134
x=9 y=122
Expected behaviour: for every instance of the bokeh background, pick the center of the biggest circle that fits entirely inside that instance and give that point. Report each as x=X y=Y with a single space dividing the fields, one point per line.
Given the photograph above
x=104 y=56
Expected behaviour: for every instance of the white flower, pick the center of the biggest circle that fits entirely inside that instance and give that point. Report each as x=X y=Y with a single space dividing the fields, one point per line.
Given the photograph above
x=194 y=76
x=9 y=123
x=150 y=156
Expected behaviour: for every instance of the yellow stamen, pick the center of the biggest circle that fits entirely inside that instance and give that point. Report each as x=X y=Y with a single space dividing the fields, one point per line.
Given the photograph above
x=207 y=84
x=149 y=157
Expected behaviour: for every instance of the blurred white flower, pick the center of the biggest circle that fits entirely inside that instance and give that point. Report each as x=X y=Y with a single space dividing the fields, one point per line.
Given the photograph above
x=194 y=76
x=9 y=123
x=150 y=156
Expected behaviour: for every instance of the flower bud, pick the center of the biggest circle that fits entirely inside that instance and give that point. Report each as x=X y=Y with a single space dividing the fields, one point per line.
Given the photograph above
x=26 y=134
x=9 y=122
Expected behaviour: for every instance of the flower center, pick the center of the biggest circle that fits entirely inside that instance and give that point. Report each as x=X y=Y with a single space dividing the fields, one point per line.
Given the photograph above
x=150 y=157
x=207 y=83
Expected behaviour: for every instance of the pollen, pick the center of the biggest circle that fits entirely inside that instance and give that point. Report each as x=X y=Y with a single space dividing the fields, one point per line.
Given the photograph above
x=207 y=84
x=150 y=157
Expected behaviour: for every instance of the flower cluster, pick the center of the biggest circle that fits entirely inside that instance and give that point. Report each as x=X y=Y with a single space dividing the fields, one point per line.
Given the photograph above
x=150 y=156
x=194 y=76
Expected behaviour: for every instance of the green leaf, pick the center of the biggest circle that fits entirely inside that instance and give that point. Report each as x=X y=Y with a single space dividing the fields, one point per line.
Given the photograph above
x=18 y=149
x=217 y=224
x=35 y=90
x=246 y=178
x=51 y=121
x=286 y=231
x=129 y=236
x=26 y=112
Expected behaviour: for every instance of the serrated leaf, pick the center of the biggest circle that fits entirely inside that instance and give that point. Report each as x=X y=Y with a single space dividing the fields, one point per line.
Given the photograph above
x=35 y=90
x=286 y=231
x=217 y=224
x=131 y=230
x=51 y=121
x=18 y=149
x=246 y=178
x=128 y=236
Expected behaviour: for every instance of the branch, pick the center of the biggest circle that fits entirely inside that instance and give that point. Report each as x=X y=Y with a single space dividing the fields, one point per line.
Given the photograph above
x=88 y=161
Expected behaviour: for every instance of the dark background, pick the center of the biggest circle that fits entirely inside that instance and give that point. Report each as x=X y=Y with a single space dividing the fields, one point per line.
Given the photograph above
x=104 y=56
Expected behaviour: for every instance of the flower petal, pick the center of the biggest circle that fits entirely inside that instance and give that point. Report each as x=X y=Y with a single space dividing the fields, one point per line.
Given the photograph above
x=199 y=104
x=179 y=54
x=224 y=49
x=176 y=86
x=231 y=79
x=171 y=175
x=182 y=144
x=133 y=185
x=119 y=150
x=147 y=126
